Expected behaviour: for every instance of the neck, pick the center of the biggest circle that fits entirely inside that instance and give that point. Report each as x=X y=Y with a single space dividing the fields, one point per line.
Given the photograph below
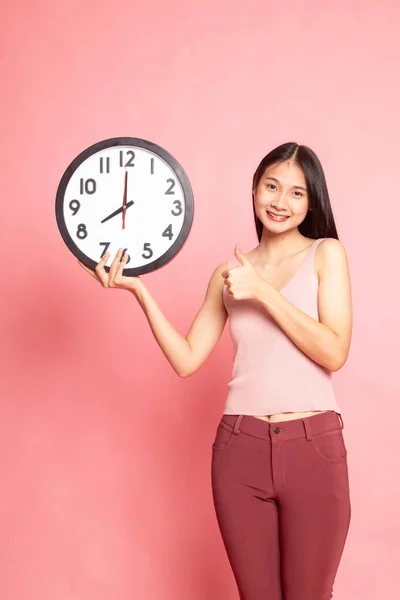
x=274 y=247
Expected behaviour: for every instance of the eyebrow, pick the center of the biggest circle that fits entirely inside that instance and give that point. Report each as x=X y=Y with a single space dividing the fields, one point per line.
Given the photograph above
x=297 y=187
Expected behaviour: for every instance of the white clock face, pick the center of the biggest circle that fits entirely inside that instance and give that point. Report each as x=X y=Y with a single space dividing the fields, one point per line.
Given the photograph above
x=125 y=196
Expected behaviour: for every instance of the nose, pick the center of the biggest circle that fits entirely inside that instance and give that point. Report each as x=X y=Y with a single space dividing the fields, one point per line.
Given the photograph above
x=280 y=201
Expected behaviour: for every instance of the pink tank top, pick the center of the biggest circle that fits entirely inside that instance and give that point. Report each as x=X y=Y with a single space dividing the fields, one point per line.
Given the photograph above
x=270 y=373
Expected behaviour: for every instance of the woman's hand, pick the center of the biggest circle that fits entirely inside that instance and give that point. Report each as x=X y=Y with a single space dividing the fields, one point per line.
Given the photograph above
x=114 y=279
x=243 y=282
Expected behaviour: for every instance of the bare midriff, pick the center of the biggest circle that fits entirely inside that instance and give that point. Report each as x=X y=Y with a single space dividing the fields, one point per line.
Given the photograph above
x=288 y=416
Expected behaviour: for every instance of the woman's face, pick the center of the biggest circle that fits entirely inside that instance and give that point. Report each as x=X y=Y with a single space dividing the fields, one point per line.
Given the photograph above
x=282 y=191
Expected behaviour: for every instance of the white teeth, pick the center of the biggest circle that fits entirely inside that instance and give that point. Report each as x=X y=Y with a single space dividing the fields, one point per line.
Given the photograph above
x=276 y=216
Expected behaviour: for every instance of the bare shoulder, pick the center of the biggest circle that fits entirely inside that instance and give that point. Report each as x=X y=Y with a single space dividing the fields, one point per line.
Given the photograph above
x=216 y=275
x=330 y=255
x=216 y=282
x=221 y=268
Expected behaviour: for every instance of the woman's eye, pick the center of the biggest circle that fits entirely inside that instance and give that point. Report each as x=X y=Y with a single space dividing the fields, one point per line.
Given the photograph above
x=271 y=185
x=299 y=194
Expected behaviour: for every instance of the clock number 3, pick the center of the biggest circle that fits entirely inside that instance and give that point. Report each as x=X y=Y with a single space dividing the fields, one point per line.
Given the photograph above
x=178 y=205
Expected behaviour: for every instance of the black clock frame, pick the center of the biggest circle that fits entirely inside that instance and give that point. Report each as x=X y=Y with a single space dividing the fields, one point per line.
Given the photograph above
x=167 y=157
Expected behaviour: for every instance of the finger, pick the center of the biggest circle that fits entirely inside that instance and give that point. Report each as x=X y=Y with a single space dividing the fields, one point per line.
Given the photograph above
x=104 y=259
x=225 y=274
x=121 y=266
x=228 y=282
x=100 y=271
x=101 y=264
x=240 y=256
x=92 y=273
x=114 y=266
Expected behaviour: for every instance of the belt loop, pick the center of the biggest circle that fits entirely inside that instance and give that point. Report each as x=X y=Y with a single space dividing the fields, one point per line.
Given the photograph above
x=307 y=429
x=340 y=419
x=236 y=429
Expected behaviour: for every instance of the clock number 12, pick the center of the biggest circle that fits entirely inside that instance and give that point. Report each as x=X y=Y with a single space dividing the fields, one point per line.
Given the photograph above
x=130 y=161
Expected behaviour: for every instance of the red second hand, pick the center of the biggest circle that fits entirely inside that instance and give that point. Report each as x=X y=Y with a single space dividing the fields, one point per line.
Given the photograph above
x=124 y=200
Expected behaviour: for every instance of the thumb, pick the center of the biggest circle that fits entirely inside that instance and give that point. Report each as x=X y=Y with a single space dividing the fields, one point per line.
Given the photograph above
x=240 y=256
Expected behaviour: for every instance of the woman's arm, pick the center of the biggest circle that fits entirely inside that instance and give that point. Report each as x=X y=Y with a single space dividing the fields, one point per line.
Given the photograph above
x=187 y=354
x=326 y=341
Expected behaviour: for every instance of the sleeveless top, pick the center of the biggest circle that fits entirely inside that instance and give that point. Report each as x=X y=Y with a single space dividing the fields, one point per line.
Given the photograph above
x=270 y=373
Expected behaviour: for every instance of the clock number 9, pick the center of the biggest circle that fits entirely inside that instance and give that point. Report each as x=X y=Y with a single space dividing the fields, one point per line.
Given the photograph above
x=178 y=204
x=147 y=248
x=81 y=232
x=74 y=206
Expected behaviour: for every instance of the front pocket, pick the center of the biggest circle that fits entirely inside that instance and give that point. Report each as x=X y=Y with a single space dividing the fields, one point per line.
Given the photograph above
x=223 y=437
x=330 y=445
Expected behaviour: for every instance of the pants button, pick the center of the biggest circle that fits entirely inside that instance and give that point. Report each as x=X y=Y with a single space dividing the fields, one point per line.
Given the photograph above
x=277 y=430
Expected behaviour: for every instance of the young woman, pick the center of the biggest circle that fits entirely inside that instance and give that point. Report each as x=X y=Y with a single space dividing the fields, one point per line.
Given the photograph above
x=279 y=467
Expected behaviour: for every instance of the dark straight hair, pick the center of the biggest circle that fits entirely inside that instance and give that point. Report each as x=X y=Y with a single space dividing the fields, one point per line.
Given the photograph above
x=319 y=222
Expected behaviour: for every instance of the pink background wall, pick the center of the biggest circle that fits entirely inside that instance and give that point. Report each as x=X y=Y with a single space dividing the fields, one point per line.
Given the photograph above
x=105 y=452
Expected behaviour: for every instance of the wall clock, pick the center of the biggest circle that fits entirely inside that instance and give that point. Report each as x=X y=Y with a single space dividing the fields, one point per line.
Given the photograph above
x=125 y=193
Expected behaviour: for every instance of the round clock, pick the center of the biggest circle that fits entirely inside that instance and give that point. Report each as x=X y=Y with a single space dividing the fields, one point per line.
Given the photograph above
x=125 y=193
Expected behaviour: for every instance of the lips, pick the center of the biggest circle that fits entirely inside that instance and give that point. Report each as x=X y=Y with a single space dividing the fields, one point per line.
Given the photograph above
x=276 y=217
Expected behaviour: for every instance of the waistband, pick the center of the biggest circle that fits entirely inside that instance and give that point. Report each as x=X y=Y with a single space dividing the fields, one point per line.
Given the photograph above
x=296 y=428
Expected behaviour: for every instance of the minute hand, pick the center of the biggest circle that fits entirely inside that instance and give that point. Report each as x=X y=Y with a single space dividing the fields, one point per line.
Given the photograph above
x=117 y=212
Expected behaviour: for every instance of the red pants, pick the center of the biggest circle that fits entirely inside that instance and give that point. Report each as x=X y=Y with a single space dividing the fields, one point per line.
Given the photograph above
x=281 y=495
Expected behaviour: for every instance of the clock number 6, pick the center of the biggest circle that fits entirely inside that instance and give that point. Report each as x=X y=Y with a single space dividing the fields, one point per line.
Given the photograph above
x=123 y=254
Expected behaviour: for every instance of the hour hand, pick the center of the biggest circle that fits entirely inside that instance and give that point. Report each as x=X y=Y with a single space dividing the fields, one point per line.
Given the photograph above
x=118 y=211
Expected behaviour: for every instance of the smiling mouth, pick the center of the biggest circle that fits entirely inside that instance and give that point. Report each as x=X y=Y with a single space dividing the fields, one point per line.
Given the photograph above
x=277 y=217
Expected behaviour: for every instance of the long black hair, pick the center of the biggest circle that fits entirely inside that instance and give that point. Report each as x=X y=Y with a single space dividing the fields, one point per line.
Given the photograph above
x=319 y=222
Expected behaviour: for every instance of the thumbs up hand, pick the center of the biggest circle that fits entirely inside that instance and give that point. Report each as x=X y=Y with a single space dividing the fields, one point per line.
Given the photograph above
x=243 y=282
